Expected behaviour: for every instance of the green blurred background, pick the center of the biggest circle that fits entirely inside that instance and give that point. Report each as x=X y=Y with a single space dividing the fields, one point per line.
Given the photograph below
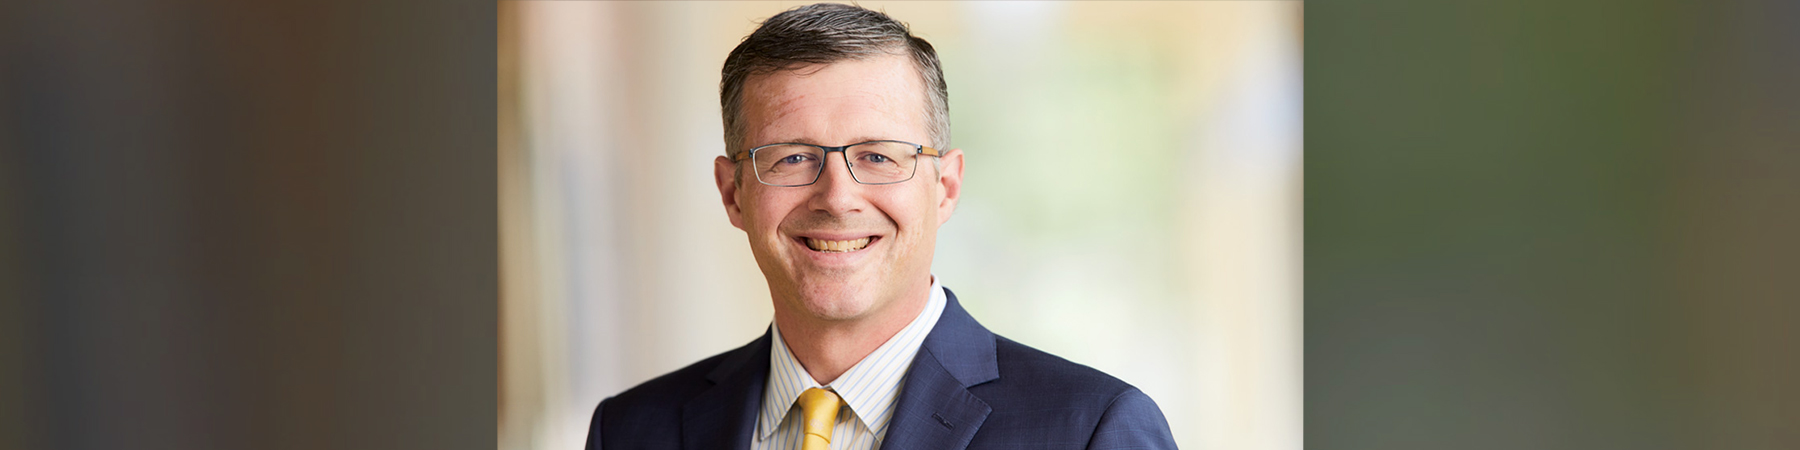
x=1553 y=225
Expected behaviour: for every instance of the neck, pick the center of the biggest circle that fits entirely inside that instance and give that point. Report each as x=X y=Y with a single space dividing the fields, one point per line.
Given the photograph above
x=828 y=348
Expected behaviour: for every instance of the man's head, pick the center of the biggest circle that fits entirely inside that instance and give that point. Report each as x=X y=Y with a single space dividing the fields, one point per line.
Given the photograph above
x=835 y=75
x=826 y=33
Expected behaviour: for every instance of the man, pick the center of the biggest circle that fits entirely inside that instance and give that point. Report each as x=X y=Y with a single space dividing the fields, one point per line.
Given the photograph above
x=834 y=116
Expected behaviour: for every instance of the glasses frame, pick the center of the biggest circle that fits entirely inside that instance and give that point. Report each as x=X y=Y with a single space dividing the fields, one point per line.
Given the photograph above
x=917 y=150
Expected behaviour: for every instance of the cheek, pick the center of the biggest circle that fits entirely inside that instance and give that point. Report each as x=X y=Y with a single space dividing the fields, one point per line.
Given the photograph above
x=916 y=215
x=764 y=214
x=927 y=206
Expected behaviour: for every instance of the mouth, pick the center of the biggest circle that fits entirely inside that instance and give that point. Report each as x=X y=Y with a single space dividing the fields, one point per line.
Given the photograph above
x=837 y=246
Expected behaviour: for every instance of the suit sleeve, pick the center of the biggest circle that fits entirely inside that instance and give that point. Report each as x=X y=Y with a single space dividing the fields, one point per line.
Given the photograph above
x=1132 y=422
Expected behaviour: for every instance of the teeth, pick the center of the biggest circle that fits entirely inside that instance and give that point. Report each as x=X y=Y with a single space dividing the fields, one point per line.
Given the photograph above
x=837 y=246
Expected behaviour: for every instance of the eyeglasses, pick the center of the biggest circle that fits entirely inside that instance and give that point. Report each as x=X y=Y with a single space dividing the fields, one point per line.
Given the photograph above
x=873 y=162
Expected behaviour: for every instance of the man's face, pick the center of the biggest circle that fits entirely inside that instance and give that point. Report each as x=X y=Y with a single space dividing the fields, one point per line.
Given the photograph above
x=837 y=104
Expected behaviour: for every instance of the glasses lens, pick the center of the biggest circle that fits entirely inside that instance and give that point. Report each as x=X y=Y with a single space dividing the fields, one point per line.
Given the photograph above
x=788 y=165
x=882 y=162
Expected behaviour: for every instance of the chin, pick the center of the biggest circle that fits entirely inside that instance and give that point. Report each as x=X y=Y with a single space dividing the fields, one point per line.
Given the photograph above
x=836 y=301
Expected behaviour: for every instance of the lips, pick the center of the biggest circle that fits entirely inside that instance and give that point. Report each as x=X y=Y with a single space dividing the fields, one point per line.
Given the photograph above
x=838 y=246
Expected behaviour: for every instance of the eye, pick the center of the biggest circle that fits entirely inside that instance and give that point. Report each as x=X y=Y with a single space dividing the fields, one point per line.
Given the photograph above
x=793 y=159
x=877 y=158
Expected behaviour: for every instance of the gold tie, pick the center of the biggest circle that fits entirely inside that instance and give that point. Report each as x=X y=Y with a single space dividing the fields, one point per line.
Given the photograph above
x=819 y=408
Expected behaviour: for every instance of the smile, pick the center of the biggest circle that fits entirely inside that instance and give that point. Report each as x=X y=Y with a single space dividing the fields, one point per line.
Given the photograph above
x=838 y=246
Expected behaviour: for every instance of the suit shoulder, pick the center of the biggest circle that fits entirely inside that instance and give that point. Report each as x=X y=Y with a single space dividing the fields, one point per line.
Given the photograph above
x=669 y=390
x=1036 y=388
x=1030 y=369
x=657 y=404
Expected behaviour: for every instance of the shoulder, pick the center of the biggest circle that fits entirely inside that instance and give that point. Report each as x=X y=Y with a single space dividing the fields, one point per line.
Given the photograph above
x=635 y=416
x=1029 y=370
x=667 y=391
x=1040 y=391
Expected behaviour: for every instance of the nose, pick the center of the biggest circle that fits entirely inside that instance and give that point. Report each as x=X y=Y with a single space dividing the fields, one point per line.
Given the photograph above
x=836 y=192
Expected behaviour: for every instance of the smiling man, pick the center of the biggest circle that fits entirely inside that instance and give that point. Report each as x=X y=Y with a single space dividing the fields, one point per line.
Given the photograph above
x=836 y=119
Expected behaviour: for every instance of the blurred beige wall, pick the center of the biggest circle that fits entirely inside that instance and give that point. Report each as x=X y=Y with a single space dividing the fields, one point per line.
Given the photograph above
x=1132 y=200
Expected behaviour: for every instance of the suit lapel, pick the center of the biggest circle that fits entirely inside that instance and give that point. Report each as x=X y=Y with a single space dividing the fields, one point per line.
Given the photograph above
x=724 y=417
x=935 y=409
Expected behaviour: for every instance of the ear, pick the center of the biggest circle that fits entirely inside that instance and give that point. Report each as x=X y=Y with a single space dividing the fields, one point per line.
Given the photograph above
x=725 y=175
x=950 y=184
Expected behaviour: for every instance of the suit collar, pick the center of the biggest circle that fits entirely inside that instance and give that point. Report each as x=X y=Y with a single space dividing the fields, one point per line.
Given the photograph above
x=724 y=416
x=962 y=345
x=936 y=409
x=869 y=388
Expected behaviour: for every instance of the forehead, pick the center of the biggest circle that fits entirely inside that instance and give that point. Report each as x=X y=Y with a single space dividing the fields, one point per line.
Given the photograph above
x=834 y=104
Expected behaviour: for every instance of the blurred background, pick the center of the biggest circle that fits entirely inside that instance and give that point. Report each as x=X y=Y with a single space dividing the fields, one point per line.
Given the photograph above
x=1553 y=225
x=1150 y=227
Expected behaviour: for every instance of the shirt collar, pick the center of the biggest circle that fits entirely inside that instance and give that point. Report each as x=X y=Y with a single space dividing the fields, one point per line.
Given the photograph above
x=870 y=387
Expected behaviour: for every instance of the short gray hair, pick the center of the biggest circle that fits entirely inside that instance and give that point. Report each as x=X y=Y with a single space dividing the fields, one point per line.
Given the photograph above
x=825 y=33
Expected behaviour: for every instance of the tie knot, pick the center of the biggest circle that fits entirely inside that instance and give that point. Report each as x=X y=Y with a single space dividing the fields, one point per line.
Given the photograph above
x=819 y=408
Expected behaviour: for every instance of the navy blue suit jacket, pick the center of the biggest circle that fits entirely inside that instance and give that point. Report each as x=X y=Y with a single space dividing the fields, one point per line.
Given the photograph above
x=967 y=388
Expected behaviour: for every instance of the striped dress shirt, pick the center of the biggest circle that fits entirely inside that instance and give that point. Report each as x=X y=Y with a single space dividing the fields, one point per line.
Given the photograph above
x=869 y=389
